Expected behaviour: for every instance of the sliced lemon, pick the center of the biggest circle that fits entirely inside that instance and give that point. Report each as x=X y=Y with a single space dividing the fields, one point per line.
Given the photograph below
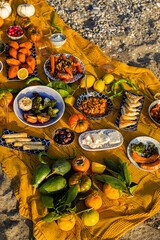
x=97 y=167
x=22 y=73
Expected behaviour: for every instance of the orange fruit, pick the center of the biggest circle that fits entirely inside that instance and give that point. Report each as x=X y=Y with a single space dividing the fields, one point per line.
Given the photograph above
x=111 y=192
x=93 y=201
x=67 y=222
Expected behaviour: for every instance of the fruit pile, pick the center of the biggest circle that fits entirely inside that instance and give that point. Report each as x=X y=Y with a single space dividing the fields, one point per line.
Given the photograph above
x=67 y=182
x=15 y=31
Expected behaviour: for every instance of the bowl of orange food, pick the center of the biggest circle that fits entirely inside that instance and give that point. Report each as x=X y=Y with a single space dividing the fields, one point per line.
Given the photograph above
x=154 y=112
x=96 y=107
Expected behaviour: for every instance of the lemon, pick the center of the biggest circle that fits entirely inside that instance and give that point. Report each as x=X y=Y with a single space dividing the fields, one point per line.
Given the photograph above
x=97 y=167
x=22 y=73
x=69 y=100
x=99 y=85
x=90 y=81
x=108 y=78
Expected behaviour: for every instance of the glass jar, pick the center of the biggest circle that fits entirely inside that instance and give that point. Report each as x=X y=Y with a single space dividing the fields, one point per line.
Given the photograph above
x=44 y=45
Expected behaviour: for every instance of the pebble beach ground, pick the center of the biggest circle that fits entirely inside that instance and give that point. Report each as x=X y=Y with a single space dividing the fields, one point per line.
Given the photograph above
x=126 y=29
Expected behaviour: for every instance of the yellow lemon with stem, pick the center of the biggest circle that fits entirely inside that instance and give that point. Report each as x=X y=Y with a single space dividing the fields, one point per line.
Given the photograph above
x=69 y=100
x=108 y=78
x=90 y=81
x=99 y=85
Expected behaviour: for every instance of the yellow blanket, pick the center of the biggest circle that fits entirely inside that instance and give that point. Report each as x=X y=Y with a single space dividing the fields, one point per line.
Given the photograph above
x=116 y=217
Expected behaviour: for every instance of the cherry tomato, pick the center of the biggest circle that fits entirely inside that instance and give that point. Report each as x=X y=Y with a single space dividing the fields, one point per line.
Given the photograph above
x=80 y=164
x=83 y=181
x=78 y=123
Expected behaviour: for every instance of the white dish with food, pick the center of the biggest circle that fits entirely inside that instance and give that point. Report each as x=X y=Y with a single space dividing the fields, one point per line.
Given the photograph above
x=101 y=139
x=145 y=140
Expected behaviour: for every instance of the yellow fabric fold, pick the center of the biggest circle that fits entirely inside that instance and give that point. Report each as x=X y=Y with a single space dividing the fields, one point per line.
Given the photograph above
x=116 y=217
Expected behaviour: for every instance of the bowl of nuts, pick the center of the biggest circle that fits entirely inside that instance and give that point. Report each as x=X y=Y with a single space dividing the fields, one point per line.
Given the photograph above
x=63 y=136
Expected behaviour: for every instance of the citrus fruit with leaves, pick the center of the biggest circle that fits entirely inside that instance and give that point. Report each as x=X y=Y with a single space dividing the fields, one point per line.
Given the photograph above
x=67 y=222
x=93 y=201
x=111 y=192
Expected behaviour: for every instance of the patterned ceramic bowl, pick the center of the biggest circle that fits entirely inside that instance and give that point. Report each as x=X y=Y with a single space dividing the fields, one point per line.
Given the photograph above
x=83 y=96
x=58 y=39
x=63 y=137
x=75 y=78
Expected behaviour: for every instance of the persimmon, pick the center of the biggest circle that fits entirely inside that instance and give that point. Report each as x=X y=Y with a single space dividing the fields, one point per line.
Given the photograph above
x=111 y=192
x=93 y=201
x=80 y=164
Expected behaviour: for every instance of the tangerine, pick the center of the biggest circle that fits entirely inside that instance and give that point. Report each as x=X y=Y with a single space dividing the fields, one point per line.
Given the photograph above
x=111 y=192
x=93 y=201
x=67 y=222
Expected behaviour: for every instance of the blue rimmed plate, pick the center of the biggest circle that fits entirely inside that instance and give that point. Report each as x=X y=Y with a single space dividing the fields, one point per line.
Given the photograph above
x=75 y=78
x=34 y=74
x=132 y=128
x=44 y=92
x=34 y=139
x=83 y=96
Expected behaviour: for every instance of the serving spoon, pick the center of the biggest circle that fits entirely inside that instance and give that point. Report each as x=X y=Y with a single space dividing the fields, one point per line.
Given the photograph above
x=86 y=86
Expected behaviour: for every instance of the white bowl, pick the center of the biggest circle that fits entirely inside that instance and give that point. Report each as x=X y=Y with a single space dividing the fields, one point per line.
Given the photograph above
x=45 y=92
x=149 y=111
x=145 y=140
x=58 y=39
x=1 y=66
x=16 y=37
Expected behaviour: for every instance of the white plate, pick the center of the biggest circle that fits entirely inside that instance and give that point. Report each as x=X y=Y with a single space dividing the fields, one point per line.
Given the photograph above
x=145 y=140
x=104 y=146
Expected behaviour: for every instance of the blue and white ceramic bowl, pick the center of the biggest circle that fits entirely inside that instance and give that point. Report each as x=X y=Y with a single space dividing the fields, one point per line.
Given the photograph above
x=45 y=92
x=75 y=78
x=83 y=96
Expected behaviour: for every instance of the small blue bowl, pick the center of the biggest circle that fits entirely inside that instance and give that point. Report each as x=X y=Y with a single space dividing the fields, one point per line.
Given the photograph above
x=44 y=92
x=83 y=96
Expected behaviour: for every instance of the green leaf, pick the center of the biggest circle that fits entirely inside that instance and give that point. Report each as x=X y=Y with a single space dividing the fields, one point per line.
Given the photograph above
x=112 y=181
x=121 y=163
x=115 y=174
x=72 y=194
x=47 y=201
x=132 y=187
x=127 y=175
x=112 y=165
x=51 y=216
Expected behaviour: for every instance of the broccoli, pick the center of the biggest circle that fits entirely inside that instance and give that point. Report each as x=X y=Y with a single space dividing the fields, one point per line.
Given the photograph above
x=138 y=148
x=36 y=102
x=52 y=112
